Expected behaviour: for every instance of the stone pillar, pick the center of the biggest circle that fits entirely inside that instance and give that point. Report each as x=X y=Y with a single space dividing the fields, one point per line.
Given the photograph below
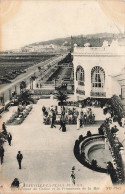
x=30 y=83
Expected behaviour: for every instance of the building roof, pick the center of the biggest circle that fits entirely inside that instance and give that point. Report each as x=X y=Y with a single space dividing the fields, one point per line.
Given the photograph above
x=116 y=48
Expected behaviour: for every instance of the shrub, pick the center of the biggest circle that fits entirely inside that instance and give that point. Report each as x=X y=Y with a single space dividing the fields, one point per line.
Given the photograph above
x=81 y=138
x=100 y=130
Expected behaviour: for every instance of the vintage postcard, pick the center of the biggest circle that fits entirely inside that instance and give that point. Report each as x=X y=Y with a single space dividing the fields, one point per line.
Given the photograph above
x=62 y=96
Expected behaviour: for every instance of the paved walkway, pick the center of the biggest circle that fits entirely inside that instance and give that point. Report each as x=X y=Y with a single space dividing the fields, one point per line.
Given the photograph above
x=48 y=153
x=6 y=115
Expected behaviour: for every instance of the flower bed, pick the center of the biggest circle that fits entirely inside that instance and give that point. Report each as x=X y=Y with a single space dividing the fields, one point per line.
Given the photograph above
x=17 y=119
x=12 y=118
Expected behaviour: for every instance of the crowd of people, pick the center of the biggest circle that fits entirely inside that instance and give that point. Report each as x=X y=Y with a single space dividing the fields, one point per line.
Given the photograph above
x=4 y=136
x=66 y=115
x=110 y=132
x=91 y=102
x=110 y=110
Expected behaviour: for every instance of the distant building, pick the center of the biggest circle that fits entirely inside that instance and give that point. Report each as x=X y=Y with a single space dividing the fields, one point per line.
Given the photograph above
x=95 y=69
x=45 y=48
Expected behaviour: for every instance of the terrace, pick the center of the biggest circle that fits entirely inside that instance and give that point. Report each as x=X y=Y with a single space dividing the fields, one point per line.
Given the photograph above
x=49 y=143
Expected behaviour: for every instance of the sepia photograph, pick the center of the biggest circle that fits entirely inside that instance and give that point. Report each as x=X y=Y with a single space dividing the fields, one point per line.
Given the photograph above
x=62 y=96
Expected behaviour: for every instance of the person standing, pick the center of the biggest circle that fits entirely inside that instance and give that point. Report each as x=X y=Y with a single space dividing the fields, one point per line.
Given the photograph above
x=53 y=119
x=1 y=154
x=78 y=122
x=85 y=118
x=4 y=127
x=9 y=138
x=73 y=175
x=61 y=123
x=19 y=158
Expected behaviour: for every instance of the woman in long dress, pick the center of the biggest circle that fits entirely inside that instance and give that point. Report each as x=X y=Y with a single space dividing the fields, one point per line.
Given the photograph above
x=78 y=122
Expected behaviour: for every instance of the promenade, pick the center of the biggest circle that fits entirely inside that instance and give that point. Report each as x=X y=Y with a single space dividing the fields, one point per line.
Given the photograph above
x=7 y=89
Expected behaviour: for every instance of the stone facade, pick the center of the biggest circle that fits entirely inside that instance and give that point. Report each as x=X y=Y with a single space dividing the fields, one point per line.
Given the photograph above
x=95 y=68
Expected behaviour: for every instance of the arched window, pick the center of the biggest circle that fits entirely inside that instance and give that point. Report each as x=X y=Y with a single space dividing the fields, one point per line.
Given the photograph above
x=79 y=74
x=97 y=77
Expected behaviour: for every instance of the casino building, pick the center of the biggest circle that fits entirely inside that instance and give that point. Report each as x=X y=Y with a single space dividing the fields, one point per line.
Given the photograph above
x=97 y=70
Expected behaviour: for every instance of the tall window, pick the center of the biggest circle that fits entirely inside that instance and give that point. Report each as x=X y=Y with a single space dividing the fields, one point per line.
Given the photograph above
x=97 y=77
x=79 y=74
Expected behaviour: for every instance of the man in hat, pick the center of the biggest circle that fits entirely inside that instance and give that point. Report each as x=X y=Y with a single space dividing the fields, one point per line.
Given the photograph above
x=19 y=158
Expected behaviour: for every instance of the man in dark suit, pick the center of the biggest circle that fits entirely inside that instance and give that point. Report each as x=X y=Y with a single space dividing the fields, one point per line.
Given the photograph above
x=53 y=119
x=9 y=138
x=4 y=127
x=19 y=158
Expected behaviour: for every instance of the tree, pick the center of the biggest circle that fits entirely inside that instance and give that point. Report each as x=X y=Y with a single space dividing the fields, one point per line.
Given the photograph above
x=81 y=138
x=32 y=78
x=25 y=97
x=100 y=130
x=114 y=129
x=61 y=97
x=22 y=86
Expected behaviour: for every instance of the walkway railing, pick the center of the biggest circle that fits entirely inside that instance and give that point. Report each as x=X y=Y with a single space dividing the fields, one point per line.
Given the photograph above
x=81 y=92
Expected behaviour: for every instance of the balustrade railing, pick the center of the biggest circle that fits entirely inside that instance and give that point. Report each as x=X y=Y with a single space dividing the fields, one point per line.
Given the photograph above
x=81 y=83
x=81 y=92
x=98 y=94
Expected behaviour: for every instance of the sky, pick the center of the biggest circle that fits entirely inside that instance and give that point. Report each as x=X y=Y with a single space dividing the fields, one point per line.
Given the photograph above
x=39 y=20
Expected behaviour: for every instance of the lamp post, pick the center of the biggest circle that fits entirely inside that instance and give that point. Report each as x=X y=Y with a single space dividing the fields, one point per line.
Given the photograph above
x=10 y=94
x=55 y=83
x=31 y=83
